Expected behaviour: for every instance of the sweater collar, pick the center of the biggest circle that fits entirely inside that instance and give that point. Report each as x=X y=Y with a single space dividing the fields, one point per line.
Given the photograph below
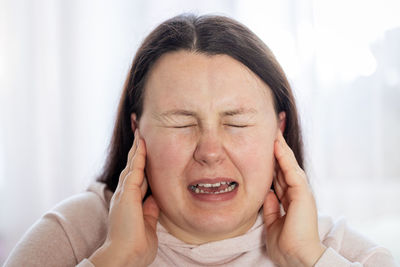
x=218 y=252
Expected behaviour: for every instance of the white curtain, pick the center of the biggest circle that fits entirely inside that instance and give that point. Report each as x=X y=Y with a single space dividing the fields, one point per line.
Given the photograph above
x=63 y=64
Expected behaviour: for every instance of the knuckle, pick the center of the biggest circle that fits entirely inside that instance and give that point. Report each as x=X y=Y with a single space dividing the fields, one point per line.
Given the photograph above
x=129 y=174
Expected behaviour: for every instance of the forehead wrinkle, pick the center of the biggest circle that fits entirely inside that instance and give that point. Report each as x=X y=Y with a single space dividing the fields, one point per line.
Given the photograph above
x=178 y=112
x=238 y=111
x=173 y=114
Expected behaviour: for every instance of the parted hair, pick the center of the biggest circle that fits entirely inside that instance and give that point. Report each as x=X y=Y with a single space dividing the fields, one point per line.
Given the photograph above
x=209 y=35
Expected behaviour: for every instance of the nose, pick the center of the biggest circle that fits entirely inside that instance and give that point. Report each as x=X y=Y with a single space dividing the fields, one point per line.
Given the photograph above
x=209 y=150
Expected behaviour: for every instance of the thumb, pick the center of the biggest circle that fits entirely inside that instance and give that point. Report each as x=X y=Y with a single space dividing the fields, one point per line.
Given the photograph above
x=151 y=212
x=271 y=209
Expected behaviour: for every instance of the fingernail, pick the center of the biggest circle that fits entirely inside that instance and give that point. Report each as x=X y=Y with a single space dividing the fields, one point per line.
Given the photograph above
x=136 y=133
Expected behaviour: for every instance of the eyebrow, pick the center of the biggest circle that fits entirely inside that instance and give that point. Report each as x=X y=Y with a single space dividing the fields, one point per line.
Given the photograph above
x=239 y=111
x=227 y=113
x=181 y=112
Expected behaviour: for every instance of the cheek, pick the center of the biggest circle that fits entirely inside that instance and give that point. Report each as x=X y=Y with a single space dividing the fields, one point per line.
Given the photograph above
x=166 y=158
x=254 y=158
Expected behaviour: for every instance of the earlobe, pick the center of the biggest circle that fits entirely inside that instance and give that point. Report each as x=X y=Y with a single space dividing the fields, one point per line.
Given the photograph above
x=133 y=122
x=282 y=120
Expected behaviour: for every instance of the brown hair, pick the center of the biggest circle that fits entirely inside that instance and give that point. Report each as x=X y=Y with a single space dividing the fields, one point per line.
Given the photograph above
x=210 y=35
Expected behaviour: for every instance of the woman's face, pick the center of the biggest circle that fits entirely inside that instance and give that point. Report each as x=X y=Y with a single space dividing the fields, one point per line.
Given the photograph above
x=209 y=125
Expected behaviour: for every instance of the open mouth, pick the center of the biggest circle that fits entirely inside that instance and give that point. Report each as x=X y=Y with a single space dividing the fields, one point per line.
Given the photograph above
x=213 y=188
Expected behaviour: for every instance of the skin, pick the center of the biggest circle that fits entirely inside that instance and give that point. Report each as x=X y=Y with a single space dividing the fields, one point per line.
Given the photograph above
x=209 y=117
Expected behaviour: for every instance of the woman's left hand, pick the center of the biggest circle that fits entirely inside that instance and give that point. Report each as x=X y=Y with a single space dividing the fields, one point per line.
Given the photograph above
x=292 y=238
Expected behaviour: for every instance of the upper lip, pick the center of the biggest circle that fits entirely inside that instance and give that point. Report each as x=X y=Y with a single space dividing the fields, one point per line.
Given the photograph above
x=212 y=180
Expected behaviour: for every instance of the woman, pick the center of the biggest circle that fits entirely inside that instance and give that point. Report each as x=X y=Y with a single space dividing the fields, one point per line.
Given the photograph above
x=214 y=127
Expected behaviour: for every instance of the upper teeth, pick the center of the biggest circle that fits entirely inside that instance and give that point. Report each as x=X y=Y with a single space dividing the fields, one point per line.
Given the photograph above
x=213 y=185
x=197 y=190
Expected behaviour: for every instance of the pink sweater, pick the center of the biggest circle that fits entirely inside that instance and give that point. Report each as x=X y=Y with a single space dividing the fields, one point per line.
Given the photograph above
x=75 y=228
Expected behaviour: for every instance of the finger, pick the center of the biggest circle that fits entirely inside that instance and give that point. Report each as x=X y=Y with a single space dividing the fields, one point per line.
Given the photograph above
x=136 y=167
x=131 y=152
x=278 y=189
x=280 y=180
x=281 y=194
x=292 y=173
x=271 y=209
x=138 y=143
x=151 y=212
x=143 y=187
x=135 y=177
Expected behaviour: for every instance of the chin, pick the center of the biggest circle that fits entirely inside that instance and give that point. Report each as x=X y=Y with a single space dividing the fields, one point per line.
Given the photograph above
x=222 y=225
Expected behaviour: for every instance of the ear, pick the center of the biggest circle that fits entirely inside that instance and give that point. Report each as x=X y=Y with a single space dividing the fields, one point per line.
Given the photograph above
x=134 y=123
x=282 y=121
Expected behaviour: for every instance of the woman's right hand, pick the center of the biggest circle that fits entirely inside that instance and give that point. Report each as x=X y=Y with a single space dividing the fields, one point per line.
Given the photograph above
x=131 y=238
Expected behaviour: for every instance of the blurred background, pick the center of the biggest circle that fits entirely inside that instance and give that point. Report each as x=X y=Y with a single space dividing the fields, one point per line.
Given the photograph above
x=63 y=64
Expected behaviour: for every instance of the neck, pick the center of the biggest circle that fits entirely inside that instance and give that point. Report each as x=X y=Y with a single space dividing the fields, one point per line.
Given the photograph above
x=193 y=236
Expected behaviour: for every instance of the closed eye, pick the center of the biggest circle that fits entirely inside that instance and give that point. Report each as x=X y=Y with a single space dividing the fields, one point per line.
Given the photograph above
x=237 y=125
x=184 y=126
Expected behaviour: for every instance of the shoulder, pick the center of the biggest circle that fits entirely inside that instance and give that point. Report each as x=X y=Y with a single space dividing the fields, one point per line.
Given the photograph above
x=68 y=233
x=83 y=218
x=92 y=203
x=347 y=244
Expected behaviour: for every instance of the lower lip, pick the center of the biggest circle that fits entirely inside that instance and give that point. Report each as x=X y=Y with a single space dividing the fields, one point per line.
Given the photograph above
x=215 y=197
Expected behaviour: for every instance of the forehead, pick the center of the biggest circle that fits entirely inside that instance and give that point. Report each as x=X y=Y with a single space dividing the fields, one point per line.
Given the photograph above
x=187 y=78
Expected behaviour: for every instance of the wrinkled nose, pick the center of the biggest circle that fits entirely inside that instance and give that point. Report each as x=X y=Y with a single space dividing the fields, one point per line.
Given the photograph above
x=209 y=150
